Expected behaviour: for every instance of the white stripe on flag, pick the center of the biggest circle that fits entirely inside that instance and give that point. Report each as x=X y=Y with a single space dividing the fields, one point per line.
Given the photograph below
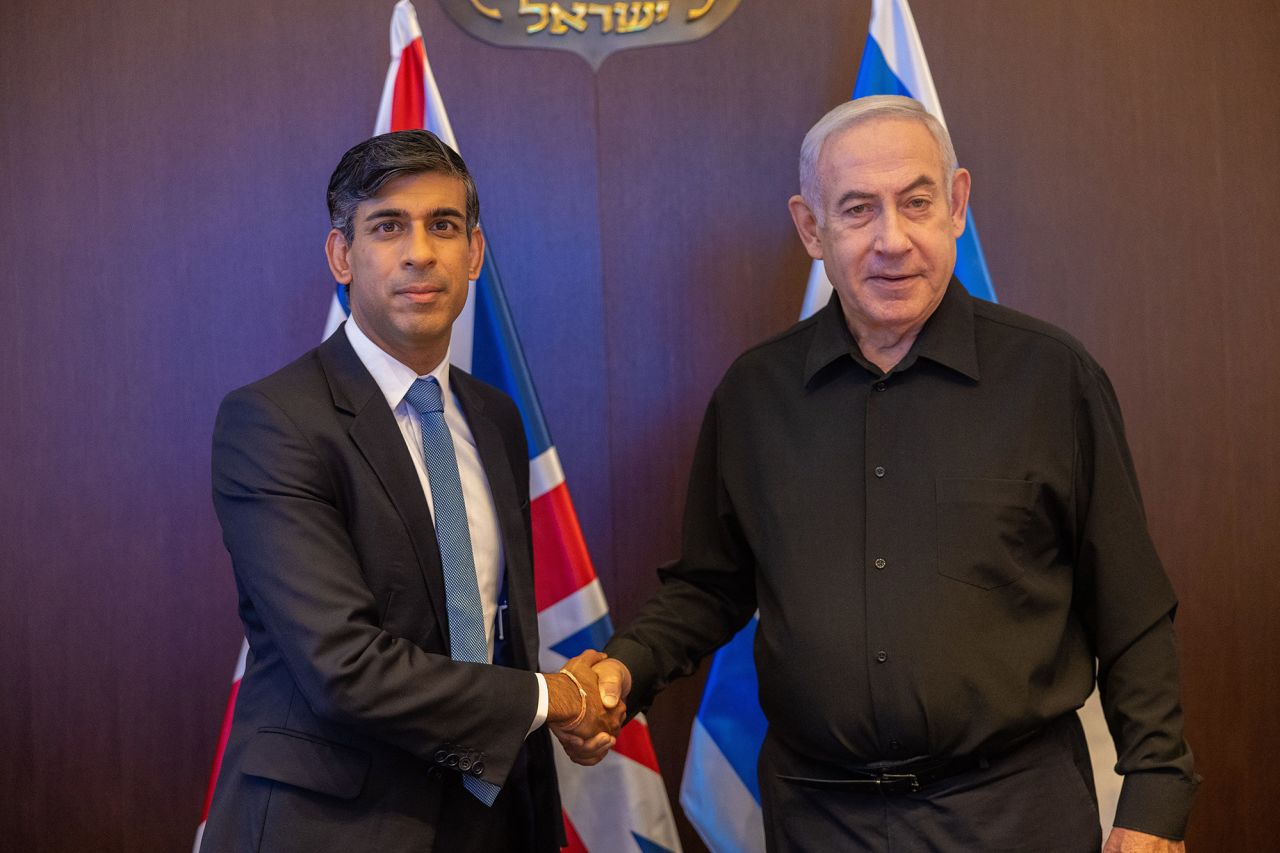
x=711 y=787
x=545 y=473
x=567 y=617
x=894 y=29
x=647 y=811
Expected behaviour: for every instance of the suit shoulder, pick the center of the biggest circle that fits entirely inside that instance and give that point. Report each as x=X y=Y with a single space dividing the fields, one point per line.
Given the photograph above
x=497 y=404
x=303 y=372
x=495 y=400
x=483 y=390
x=298 y=393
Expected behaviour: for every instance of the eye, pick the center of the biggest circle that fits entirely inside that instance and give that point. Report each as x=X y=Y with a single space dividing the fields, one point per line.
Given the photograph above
x=918 y=203
x=444 y=226
x=386 y=226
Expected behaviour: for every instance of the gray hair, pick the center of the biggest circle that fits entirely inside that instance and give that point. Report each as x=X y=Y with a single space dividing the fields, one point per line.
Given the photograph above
x=852 y=113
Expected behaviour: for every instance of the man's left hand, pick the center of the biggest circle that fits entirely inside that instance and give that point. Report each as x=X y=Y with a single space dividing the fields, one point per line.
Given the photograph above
x=1131 y=841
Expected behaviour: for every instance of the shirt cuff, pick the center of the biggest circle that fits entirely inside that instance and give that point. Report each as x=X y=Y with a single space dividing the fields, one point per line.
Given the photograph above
x=540 y=716
x=1156 y=803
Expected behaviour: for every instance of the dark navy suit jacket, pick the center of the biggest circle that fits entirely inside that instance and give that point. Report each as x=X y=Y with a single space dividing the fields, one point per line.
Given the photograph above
x=351 y=715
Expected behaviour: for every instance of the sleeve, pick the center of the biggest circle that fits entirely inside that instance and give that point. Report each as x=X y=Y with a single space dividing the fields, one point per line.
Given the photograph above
x=1127 y=604
x=705 y=597
x=304 y=598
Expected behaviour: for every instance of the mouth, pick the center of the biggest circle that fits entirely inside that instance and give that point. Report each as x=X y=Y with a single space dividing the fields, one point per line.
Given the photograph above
x=893 y=279
x=420 y=293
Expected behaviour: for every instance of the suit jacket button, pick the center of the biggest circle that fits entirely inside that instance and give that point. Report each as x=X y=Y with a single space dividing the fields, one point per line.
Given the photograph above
x=477 y=769
x=434 y=772
x=452 y=760
x=440 y=756
x=464 y=764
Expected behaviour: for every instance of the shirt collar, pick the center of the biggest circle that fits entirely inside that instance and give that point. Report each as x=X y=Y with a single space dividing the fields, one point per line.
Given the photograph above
x=392 y=375
x=947 y=337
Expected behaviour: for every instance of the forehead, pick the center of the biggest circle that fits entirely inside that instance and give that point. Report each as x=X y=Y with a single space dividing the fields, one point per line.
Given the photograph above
x=879 y=151
x=420 y=192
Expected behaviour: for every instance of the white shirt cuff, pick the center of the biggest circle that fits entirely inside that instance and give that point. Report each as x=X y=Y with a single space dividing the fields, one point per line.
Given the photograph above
x=543 y=699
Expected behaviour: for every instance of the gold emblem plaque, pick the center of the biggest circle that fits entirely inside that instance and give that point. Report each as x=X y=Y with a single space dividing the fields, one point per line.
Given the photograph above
x=591 y=30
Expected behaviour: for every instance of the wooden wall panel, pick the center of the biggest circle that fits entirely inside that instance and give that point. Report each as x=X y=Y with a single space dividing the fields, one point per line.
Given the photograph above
x=162 y=168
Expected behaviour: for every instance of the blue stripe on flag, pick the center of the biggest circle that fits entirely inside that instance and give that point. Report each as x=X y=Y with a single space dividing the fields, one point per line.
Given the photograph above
x=498 y=358
x=594 y=636
x=971 y=264
x=875 y=77
x=730 y=710
x=647 y=846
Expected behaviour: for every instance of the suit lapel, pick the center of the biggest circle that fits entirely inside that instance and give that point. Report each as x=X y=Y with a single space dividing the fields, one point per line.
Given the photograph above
x=378 y=437
x=495 y=456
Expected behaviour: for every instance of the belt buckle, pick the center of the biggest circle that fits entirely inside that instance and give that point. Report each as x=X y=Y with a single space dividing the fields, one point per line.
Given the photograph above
x=890 y=782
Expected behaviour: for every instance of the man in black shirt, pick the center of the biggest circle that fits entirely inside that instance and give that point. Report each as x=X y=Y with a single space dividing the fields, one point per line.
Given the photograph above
x=930 y=501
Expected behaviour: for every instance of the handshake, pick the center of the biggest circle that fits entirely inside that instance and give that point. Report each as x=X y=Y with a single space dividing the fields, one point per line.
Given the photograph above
x=585 y=705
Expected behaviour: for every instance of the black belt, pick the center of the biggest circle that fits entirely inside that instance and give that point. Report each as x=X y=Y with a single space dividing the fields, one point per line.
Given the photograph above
x=907 y=777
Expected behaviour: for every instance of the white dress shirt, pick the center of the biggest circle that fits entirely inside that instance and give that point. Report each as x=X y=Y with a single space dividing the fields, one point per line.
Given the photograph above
x=394 y=379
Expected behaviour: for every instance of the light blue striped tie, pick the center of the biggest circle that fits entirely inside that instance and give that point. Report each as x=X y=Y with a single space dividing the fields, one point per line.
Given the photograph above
x=462 y=595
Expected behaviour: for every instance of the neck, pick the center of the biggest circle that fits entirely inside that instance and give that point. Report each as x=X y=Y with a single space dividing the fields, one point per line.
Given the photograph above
x=420 y=357
x=883 y=346
x=421 y=364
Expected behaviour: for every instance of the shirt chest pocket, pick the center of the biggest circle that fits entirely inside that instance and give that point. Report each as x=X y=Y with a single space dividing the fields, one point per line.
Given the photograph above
x=982 y=529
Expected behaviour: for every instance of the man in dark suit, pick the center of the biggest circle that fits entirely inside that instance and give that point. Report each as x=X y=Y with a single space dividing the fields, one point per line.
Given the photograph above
x=375 y=503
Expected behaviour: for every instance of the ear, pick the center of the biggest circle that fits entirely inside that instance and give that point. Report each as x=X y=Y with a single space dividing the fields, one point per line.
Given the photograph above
x=806 y=225
x=475 y=254
x=959 y=200
x=337 y=250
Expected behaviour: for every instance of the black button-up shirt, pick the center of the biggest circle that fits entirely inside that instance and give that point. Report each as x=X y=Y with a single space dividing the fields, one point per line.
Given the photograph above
x=938 y=553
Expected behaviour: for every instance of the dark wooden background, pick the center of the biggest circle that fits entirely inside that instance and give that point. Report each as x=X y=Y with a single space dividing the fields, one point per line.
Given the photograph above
x=162 y=166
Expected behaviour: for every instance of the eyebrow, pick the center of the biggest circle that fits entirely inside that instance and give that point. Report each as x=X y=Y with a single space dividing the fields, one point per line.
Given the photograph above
x=856 y=195
x=400 y=213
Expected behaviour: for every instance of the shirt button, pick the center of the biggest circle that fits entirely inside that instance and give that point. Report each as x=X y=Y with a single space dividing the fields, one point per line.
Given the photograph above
x=880 y=563
x=880 y=386
x=879 y=471
x=882 y=656
x=895 y=746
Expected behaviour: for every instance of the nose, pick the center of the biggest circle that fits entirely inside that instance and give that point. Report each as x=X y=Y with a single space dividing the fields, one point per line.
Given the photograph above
x=419 y=251
x=892 y=238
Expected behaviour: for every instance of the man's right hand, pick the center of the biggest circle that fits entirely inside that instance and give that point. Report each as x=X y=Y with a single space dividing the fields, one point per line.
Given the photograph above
x=565 y=703
x=607 y=683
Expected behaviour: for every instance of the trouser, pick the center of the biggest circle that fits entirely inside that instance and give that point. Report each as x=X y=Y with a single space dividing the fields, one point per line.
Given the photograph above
x=1038 y=798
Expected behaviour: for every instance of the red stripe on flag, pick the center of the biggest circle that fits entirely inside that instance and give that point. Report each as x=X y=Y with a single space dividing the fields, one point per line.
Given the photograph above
x=408 y=100
x=634 y=743
x=227 y=716
x=560 y=555
x=573 y=843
